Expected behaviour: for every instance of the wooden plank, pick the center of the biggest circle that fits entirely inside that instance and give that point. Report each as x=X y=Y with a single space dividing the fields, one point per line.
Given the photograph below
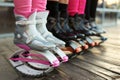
x=102 y=58
x=112 y=42
x=103 y=51
x=78 y=73
x=5 y=68
x=112 y=45
x=95 y=69
x=55 y=75
x=105 y=65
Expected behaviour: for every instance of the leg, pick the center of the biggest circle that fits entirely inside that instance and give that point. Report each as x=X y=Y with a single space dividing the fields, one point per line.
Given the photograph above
x=73 y=7
x=40 y=5
x=93 y=9
x=23 y=7
x=95 y=27
x=52 y=6
x=63 y=5
x=87 y=9
x=27 y=37
x=55 y=7
x=81 y=8
x=42 y=15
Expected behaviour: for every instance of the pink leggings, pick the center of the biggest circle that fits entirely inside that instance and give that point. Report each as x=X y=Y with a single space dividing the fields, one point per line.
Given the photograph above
x=25 y=7
x=76 y=7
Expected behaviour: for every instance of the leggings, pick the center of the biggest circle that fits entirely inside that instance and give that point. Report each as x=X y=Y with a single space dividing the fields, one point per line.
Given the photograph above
x=25 y=7
x=76 y=7
x=90 y=10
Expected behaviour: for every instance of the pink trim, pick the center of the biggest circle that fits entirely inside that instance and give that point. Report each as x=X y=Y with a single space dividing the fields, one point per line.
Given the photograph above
x=23 y=46
x=56 y=63
x=65 y=59
x=32 y=60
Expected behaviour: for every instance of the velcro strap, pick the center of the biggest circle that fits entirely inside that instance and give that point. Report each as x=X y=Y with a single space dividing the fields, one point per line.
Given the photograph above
x=25 y=22
x=30 y=38
x=47 y=34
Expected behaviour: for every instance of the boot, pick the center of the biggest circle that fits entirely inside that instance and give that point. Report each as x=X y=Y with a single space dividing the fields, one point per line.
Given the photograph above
x=27 y=36
x=79 y=25
x=54 y=25
x=41 y=27
x=95 y=27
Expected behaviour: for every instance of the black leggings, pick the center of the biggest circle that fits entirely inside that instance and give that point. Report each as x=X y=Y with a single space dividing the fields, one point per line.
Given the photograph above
x=90 y=10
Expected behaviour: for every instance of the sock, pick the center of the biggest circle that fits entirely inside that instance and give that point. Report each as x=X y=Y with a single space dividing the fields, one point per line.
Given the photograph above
x=23 y=7
x=52 y=6
x=73 y=7
x=40 y=5
x=63 y=10
x=81 y=8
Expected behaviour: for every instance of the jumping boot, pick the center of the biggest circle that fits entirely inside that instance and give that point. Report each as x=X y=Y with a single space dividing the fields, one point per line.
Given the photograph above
x=78 y=26
x=64 y=24
x=27 y=36
x=22 y=60
x=54 y=26
x=42 y=29
x=98 y=31
x=95 y=27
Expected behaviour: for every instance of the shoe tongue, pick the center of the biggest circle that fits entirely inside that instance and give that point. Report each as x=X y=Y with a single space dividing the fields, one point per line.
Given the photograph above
x=32 y=16
x=43 y=14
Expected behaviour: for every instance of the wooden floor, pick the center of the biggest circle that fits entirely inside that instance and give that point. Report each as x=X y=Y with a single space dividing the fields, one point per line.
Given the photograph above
x=99 y=63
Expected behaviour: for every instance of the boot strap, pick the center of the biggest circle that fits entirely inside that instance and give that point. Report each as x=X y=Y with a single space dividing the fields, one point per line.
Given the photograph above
x=25 y=22
x=30 y=38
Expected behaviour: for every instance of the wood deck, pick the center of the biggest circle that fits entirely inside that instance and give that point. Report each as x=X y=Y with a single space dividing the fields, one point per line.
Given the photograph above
x=98 y=63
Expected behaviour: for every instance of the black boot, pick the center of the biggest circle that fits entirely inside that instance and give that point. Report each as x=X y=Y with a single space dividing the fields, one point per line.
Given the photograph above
x=79 y=25
x=54 y=25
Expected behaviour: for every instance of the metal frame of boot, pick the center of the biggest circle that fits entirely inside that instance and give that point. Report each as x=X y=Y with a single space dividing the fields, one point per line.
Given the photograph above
x=34 y=64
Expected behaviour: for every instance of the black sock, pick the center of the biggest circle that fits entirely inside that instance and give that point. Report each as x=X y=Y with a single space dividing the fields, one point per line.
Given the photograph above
x=52 y=6
x=63 y=10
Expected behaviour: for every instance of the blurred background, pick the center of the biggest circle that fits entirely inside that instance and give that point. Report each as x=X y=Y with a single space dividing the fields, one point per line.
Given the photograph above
x=108 y=14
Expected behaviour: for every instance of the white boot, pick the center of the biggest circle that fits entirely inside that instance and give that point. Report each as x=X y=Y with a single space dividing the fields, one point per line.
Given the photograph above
x=27 y=36
x=41 y=27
